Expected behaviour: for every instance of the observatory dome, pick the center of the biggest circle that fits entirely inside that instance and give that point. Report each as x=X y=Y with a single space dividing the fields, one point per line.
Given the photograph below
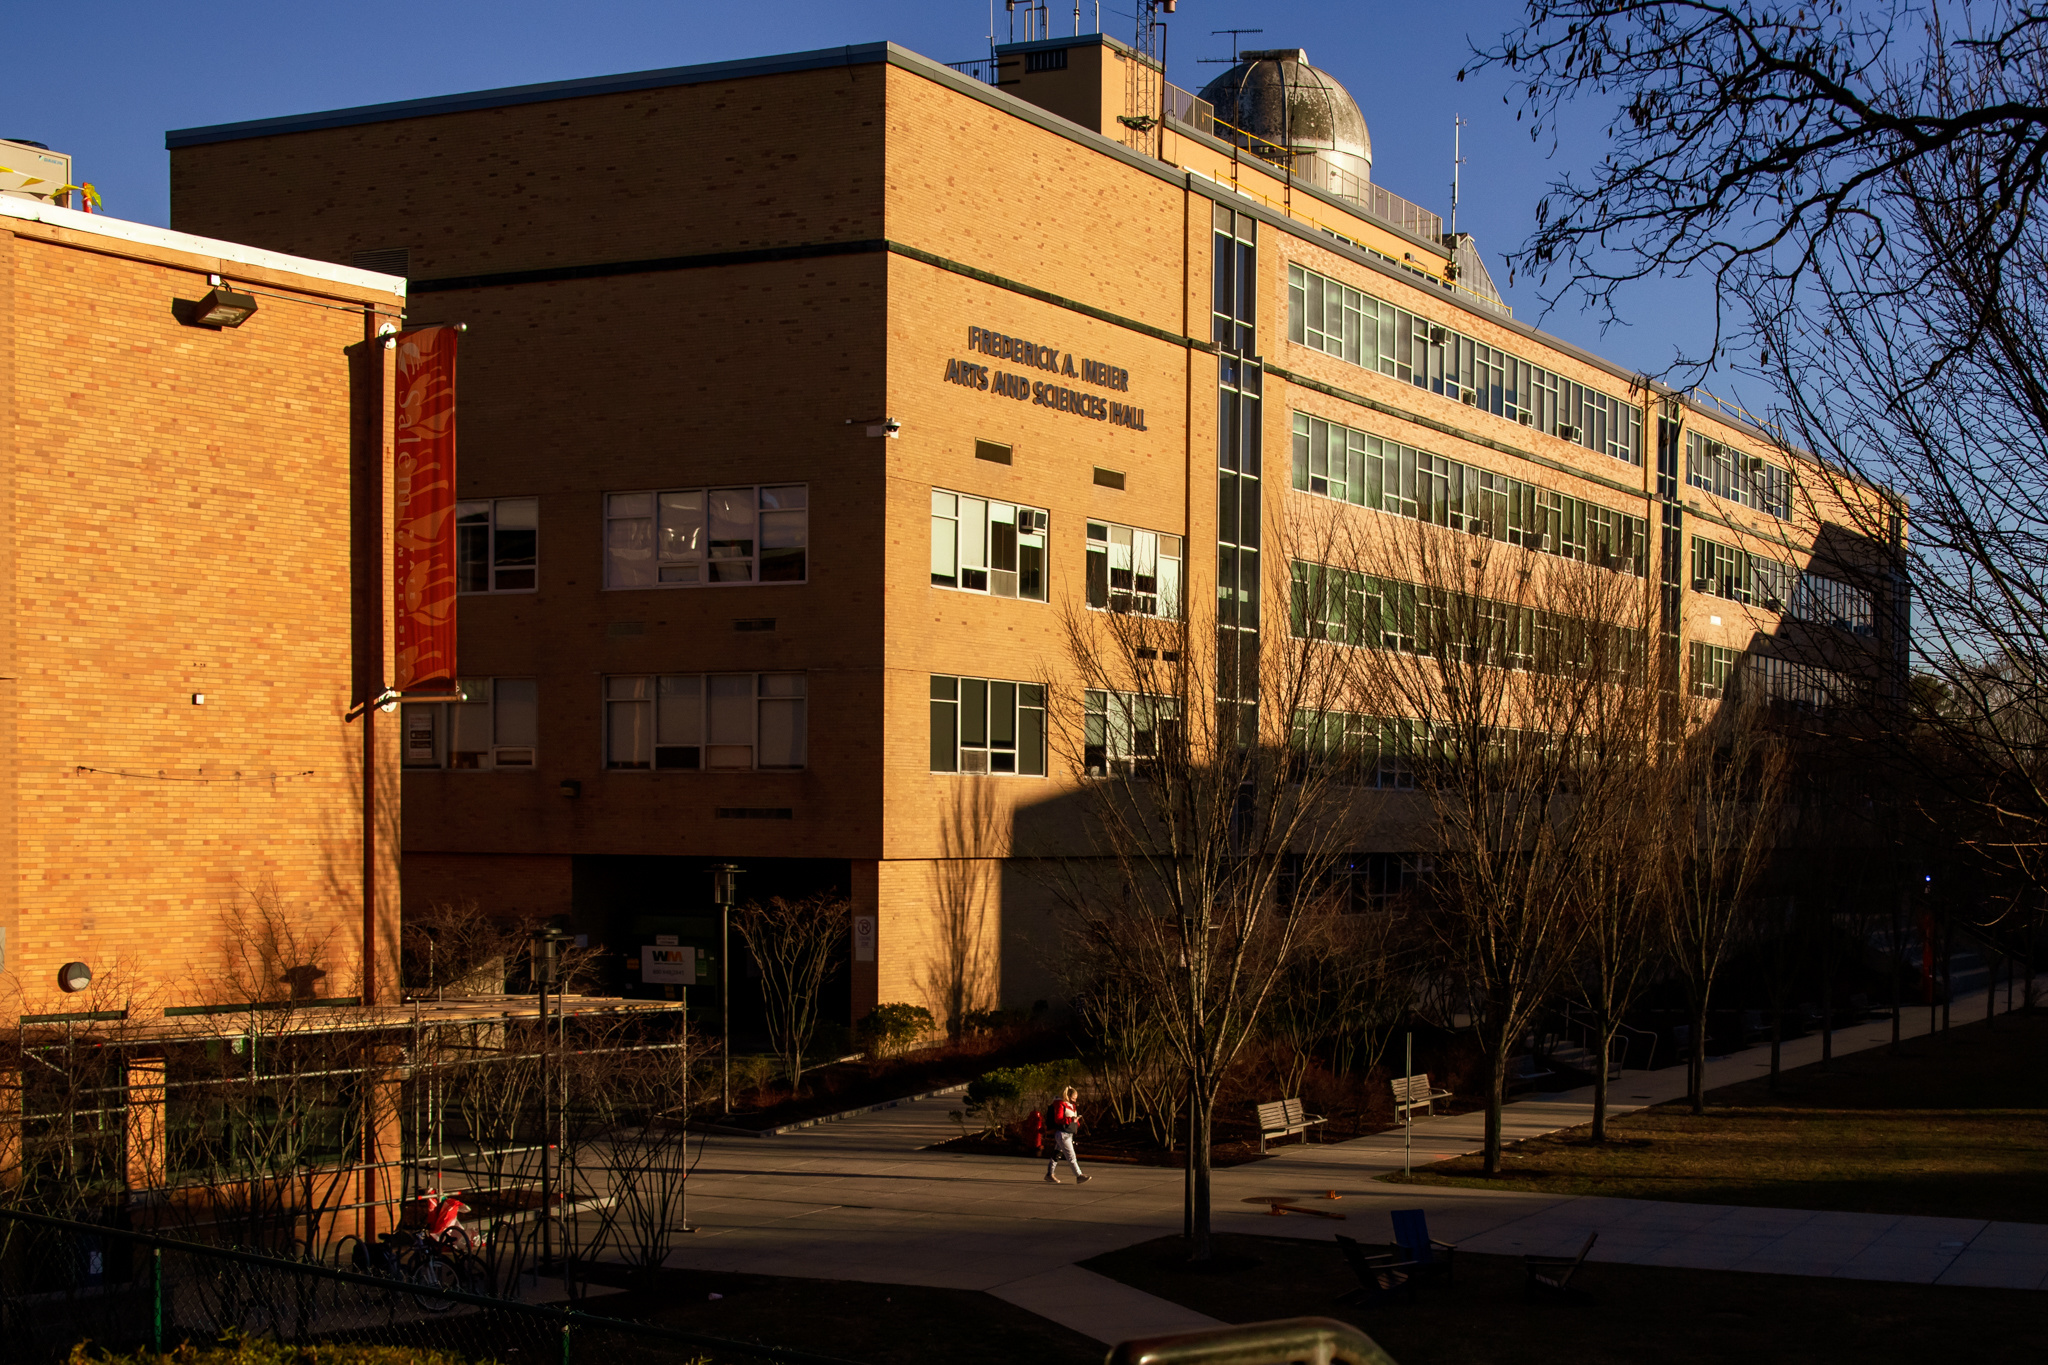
x=1276 y=95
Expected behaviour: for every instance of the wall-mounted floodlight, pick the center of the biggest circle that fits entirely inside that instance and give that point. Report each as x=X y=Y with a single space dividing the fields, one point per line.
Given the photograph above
x=74 y=977
x=223 y=307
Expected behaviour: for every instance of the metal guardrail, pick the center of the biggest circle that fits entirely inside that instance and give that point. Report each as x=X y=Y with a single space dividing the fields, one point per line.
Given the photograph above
x=1285 y=1341
x=123 y=1288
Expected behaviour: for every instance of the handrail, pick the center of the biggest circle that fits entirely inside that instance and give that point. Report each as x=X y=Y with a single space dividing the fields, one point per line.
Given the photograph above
x=1284 y=1341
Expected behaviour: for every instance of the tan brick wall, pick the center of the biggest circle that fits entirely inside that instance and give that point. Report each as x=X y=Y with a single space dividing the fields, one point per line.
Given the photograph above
x=182 y=522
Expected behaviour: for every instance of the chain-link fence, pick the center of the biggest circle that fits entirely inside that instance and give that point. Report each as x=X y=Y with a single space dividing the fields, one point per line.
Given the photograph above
x=63 y=1282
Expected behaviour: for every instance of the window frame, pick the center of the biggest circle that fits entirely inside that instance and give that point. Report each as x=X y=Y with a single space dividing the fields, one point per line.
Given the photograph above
x=704 y=561
x=495 y=568
x=1099 y=586
x=1413 y=349
x=951 y=711
x=614 y=698
x=1734 y=475
x=988 y=546
x=1135 y=716
x=483 y=694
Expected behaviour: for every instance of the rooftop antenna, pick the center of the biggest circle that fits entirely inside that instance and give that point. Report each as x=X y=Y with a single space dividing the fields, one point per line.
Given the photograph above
x=1458 y=126
x=1233 y=32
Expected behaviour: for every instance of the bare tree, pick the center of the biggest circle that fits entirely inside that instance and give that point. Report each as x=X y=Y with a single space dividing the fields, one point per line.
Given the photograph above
x=1352 y=980
x=1495 y=677
x=797 y=945
x=1724 y=782
x=1863 y=186
x=1201 y=800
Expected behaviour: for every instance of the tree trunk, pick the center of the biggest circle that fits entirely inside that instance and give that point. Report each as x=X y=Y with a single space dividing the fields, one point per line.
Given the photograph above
x=1948 y=954
x=1203 y=1118
x=1604 y=1050
x=1898 y=965
x=1496 y=1095
x=1777 y=1035
x=1827 y=994
x=1698 y=1079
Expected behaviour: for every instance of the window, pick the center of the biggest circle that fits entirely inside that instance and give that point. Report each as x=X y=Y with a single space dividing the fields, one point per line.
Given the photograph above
x=982 y=725
x=1711 y=667
x=1346 y=607
x=1717 y=671
x=705 y=721
x=1334 y=461
x=690 y=537
x=497 y=545
x=1749 y=480
x=1831 y=602
x=1368 y=751
x=488 y=723
x=1132 y=570
x=1805 y=596
x=979 y=545
x=1124 y=731
x=1340 y=321
x=1234 y=277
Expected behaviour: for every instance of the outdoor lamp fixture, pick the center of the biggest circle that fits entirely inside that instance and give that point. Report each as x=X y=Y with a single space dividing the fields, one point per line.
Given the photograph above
x=571 y=787
x=725 y=885
x=73 y=977
x=223 y=307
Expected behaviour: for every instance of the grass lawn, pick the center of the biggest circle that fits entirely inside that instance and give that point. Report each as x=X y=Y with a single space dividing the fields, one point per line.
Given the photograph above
x=1629 y=1314
x=879 y=1324
x=1957 y=1125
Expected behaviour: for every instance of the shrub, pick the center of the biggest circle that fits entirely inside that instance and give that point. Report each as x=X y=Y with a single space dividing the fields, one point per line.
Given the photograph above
x=890 y=1029
x=1002 y=1096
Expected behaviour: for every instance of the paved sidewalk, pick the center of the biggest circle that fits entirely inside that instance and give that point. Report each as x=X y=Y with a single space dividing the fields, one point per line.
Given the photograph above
x=863 y=1200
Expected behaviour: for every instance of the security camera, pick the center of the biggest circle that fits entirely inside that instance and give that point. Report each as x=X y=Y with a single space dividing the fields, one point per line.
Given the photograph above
x=892 y=426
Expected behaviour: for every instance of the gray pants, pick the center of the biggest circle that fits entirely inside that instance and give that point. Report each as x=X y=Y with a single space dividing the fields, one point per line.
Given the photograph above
x=1062 y=1150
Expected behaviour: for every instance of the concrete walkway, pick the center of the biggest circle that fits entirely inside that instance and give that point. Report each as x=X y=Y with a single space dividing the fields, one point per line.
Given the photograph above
x=863 y=1200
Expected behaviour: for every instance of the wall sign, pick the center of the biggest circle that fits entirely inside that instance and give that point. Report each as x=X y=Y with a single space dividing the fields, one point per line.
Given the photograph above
x=863 y=938
x=972 y=374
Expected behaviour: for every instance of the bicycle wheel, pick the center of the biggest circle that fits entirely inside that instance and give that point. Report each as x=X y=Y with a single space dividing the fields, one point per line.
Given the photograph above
x=434 y=1275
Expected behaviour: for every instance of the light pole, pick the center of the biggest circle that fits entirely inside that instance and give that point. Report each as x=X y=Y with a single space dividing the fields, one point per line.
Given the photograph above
x=725 y=880
x=547 y=949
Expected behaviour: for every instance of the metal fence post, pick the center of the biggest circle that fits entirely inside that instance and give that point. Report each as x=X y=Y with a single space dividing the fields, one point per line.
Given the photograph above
x=568 y=1342
x=156 y=1299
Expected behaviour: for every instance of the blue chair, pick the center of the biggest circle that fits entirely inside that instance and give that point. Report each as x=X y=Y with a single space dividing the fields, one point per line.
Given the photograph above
x=1411 y=1234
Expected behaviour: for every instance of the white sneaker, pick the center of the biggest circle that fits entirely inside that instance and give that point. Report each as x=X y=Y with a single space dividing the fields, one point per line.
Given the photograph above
x=1051 y=1179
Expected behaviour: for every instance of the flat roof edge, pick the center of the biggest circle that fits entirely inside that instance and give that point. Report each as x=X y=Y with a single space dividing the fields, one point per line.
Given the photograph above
x=860 y=54
x=144 y=234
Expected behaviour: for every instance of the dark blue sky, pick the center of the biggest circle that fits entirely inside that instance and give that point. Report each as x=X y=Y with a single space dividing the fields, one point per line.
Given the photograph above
x=103 y=80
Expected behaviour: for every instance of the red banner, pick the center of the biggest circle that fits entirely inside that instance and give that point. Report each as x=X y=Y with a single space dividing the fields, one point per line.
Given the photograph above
x=423 y=566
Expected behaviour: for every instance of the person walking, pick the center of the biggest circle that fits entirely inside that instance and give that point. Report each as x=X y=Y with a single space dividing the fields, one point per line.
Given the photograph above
x=1062 y=1120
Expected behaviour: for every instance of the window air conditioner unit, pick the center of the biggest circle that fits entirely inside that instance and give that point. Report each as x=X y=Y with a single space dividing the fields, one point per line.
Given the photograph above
x=1436 y=336
x=1470 y=397
x=1568 y=432
x=1523 y=418
x=974 y=760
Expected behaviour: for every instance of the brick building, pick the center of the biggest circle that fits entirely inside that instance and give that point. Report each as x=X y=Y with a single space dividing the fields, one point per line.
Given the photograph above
x=805 y=398
x=193 y=546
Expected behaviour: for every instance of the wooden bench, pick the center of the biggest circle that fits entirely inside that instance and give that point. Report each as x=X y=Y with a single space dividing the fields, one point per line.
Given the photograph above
x=1283 y=1118
x=1414 y=1092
